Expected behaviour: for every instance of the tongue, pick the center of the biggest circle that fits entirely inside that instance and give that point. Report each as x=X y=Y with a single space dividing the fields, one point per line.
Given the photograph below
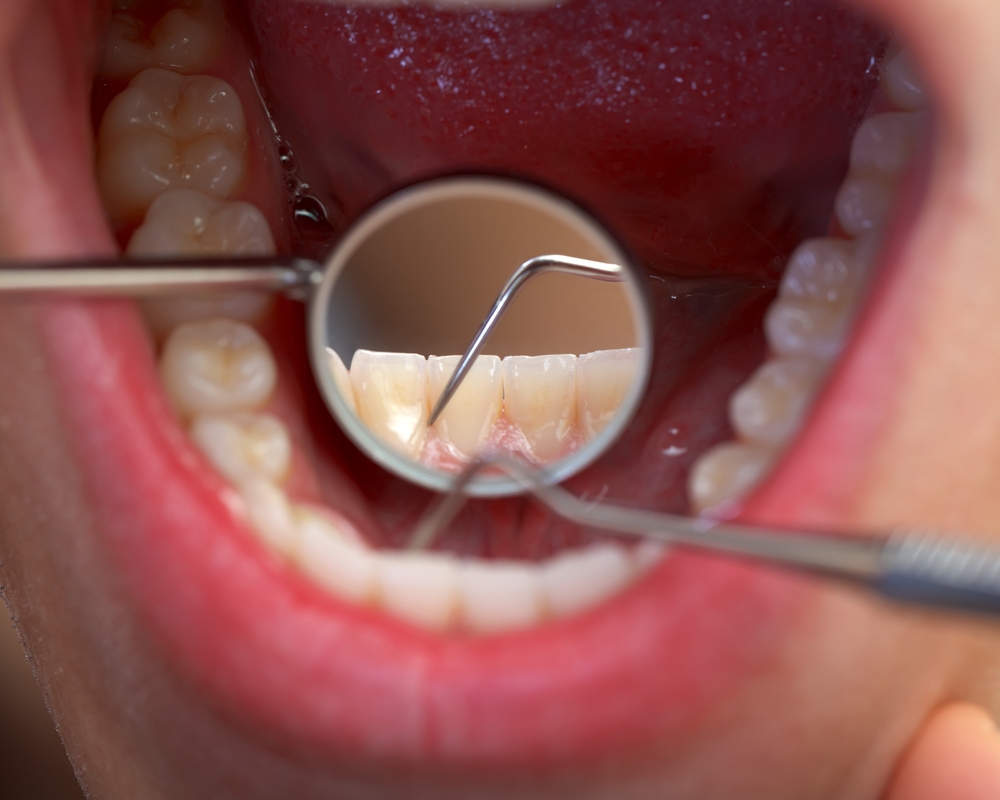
x=710 y=136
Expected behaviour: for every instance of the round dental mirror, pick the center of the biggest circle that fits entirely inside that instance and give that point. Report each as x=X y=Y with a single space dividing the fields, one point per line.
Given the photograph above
x=407 y=289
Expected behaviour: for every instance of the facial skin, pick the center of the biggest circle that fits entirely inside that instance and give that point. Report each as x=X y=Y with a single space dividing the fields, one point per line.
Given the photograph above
x=907 y=435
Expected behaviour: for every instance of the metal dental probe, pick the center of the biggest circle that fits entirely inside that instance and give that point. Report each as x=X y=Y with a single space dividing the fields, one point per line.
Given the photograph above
x=909 y=566
x=532 y=268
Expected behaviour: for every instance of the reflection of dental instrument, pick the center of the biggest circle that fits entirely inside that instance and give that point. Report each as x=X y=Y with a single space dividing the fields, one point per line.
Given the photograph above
x=910 y=566
x=531 y=268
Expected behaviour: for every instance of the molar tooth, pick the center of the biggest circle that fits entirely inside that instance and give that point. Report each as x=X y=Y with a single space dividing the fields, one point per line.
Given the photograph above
x=342 y=378
x=603 y=378
x=390 y=390
x=497 y=596
x=163 y=314
x=217 y=366
x=580 y=579
x=768 y=408
x=184 y=39
x=540 y=399
x=824 y=270
x=188 y=222
x=863 y=204
x=903 y=86
x=169 y=131
x=334 y=557
x=244 y=446
x=886 y=143
x=421 y=588
x=802 y=327
x=472 y=411
x=727 y=472
x=271 y=516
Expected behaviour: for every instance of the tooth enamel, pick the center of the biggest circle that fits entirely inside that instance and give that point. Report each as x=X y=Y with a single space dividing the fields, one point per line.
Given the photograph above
x=271 y=516
x=580 y=579
x=163 y=314
x=540 y=399
x=466 y=421
x=217 y=366
x=498 y=596
x=823 y=270
x=727 y=472
x=769 y=407
x=796 y=327
x=648 y=554
x=342 y=378
x=885 y=143
x=184 y=40
x=168 y=131
x=244 y=446
x=333 y=557
x=390 y=390
x=421 y=588
x=603 y=378
x=188 y=222
x=863 y=204
x=902 y=85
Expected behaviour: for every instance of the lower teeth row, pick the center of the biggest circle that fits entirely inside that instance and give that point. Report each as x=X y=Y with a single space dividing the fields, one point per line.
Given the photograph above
x=189 y=133
x=817 y=299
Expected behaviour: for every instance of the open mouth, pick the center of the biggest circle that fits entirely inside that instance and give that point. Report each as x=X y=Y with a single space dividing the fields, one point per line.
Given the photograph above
x=748 y=156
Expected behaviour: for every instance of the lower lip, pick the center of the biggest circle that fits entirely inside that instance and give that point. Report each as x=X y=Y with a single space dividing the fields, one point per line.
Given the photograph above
x=322 y=676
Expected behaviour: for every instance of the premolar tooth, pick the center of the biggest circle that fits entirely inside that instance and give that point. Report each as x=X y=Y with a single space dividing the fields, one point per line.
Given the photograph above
x=472 y=411
x=540 y=399
x=903 y=86
x=580 y=579
x=863 y=204
x=244 y=446
x=342 y=378
x=390 y=390
x=163 y=314
x=333 y=556
x=497 y=596
x=727 y=472
x=188 y=222
x=419 y=587
x=184 y=39
x=167 y=131
x=886 y=143
x=768 y=408
x=603 y=378
x=824 y=270
x=803 y=327
x=216 y=367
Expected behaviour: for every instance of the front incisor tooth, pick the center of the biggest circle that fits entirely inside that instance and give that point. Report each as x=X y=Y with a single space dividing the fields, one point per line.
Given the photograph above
x=188 y=222
x=390 y=390
x=342 y=379
x=580 y=579
x=333 y=557
x=540 y=399
x=727 y=472
x=185 y=39
x=244 y=446
x=603 y=379
x=497 y=596
x=421 y=588
x=216 y=367
x=167 y=131
x=768 y=408
x=466 y=421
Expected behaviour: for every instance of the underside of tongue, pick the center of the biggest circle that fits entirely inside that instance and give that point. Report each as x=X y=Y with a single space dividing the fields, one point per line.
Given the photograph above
x=711 y=137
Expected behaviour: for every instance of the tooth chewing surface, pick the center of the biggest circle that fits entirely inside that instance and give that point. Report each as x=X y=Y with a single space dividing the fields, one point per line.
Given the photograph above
x=807 y=324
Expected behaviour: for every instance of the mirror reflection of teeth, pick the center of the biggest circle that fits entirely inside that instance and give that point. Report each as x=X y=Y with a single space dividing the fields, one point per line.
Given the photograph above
x=818 y=296
x=542 y=407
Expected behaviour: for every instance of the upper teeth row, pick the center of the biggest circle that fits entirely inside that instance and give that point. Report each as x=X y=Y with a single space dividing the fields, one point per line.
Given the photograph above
x=807 y=324
x=553 y=402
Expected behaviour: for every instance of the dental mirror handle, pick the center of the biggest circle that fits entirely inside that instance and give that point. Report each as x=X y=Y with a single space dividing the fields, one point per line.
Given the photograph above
x=132 y=278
